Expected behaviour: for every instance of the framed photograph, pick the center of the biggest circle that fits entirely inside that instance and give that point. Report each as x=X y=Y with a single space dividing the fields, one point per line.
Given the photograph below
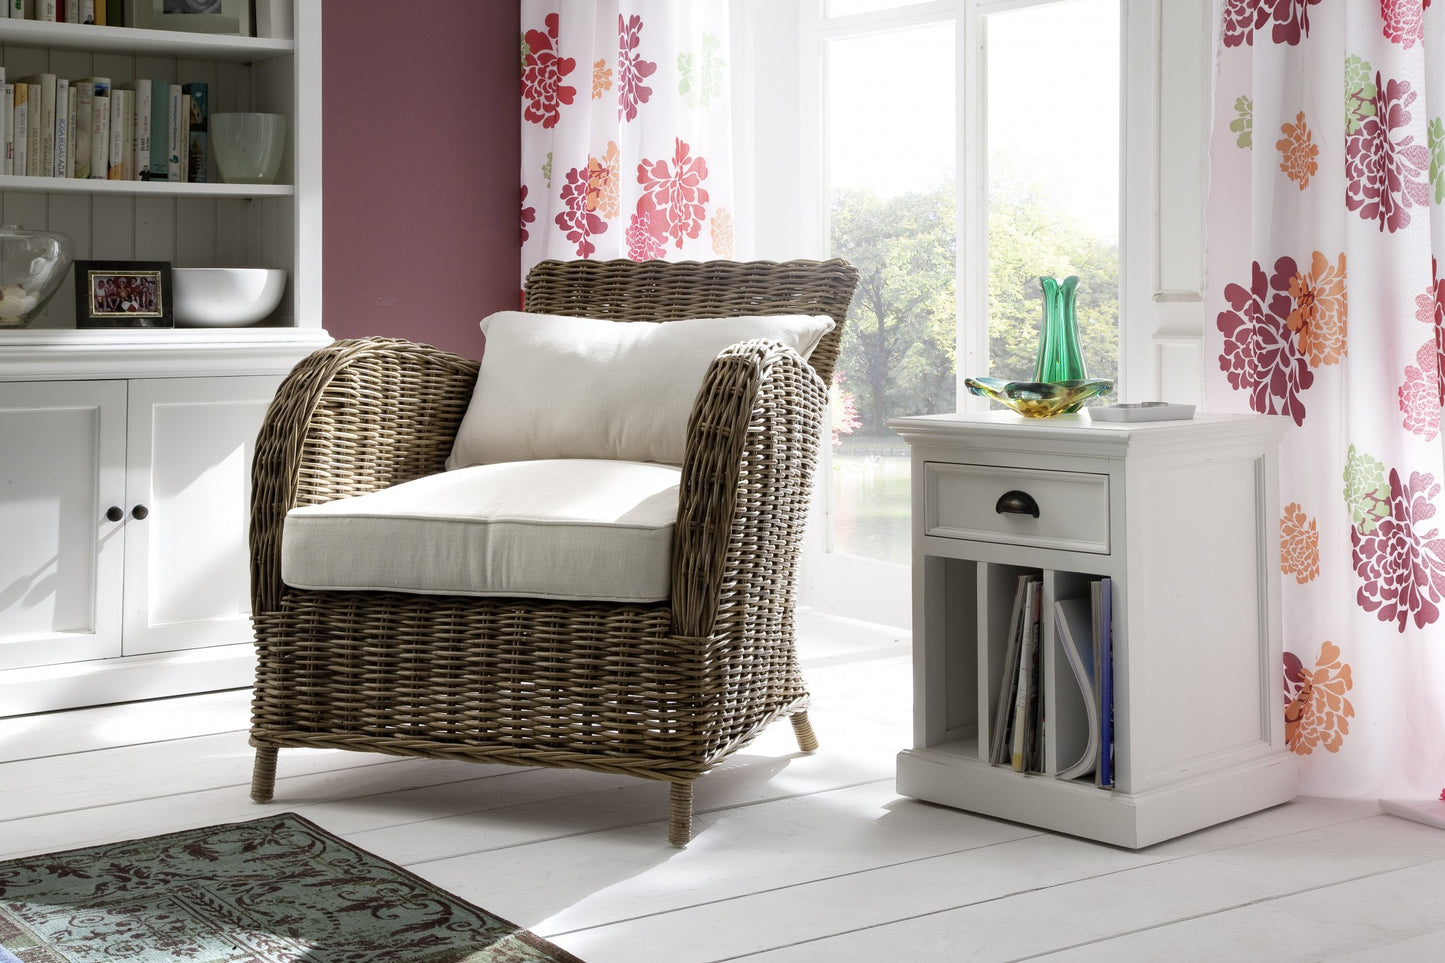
x=198 y=16
x=123 y=294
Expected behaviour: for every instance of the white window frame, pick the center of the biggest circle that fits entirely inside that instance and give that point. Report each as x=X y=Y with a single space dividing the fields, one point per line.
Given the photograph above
x=781 y=169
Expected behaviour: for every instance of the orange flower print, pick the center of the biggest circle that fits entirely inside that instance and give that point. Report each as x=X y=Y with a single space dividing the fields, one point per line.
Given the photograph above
x=1320 y=309
x=609 y=188
x=1316 y=712
x=722 y=232
x=598 y=177
x=1299 y=544
x=1298 y=150
x=601 y=79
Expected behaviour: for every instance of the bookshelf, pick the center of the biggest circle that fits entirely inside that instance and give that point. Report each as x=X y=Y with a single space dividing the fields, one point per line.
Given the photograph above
x=190 y=224
x=1181 y=518
x=125 y=485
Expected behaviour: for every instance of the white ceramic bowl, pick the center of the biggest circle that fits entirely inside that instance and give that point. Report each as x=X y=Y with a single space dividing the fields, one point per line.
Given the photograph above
x=225 y=297
x=248 y=147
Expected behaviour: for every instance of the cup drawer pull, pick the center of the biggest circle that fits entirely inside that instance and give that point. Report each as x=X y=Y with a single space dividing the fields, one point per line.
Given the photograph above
x=1016 y=502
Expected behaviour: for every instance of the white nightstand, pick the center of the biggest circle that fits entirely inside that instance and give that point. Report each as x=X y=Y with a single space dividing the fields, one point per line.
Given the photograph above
x=1183 y=518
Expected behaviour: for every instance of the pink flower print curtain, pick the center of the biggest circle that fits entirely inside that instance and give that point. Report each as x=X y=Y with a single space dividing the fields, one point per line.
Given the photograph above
x=626 y=130
x=1323 y=306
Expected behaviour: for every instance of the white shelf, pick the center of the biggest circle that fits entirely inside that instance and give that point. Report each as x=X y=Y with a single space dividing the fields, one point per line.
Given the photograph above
x=135 y=42
x=95 y=186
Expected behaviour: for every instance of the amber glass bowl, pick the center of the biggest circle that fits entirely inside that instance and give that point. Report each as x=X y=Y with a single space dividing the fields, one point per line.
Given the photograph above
x=1039 y=399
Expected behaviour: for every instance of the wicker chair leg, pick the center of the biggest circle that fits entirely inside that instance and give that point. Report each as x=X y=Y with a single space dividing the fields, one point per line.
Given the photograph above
x=803 y=730
x=679 y=827
x=263 y=775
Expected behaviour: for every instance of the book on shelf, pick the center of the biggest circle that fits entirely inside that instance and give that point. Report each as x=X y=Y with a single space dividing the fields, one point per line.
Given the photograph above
x=82 y=127
x=165 y=145
x=61 y=166
x=122 y=133
x=1025 y=712
x=197 y=120
x=183 y=120
x=99 y=127
x=1101 y=606
x=139 y=92
x=21 y=136
x=999 y=744
x=7 y=116
x=1076 y=707
x=41 y=106
x=45 y=11
x=175 y=146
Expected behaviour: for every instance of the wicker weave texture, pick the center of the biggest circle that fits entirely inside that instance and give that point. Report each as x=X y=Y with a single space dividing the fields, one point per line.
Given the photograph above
x=660 y=691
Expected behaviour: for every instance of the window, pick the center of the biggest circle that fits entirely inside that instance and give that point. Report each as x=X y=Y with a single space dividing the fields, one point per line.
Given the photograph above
x=963 y=148
x=1047 y=157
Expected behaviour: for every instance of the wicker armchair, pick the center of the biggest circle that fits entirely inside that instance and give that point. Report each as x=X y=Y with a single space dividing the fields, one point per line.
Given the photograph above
x=660 y=690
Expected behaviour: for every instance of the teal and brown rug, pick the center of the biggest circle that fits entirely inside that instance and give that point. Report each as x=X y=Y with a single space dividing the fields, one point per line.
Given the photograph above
x=267 y=890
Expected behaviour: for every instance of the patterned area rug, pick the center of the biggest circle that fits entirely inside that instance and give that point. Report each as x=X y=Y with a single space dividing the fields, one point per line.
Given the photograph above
x=268 y=890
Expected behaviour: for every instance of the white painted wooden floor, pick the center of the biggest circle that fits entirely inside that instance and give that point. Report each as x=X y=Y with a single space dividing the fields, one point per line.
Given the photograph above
x=797 y=858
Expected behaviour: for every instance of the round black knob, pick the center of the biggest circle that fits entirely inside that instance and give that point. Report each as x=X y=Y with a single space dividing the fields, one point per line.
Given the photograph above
x=1016 y=503
x=139 y=512
x=114 y=513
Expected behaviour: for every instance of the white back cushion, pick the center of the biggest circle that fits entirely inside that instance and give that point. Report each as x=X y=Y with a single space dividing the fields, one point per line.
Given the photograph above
x=561 y=387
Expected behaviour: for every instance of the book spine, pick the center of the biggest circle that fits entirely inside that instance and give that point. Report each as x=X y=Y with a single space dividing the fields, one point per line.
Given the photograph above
x=84 y=126
x=186 y=138
x=100 y=20
x=198 y=118
x=33 y=140
x=100 y=135
x=7 y=112
x=62 y=128
x=140 y=92
x=86 y=12
x=71 y=9
x=127 y=136
x=160 y=117
x=116 y=163
x=175 y=152
x=21 y=134
x=45 y=11
x=42 y=125
x=47 y=125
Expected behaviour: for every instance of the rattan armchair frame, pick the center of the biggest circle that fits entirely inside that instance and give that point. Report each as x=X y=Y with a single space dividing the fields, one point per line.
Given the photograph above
x=662 y=691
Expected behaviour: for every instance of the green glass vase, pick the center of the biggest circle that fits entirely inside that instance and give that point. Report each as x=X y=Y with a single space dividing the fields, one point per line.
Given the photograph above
x=1060 y=357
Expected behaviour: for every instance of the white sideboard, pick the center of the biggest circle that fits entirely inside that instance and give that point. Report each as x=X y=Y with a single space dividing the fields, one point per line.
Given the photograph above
x=1182 y=518
x=125 y=454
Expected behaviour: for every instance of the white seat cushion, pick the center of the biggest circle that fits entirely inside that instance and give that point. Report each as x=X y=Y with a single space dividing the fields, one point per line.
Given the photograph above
x=560 y=387
x=579 y=529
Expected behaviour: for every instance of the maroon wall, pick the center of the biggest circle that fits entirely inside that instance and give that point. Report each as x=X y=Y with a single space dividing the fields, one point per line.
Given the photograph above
x=421 y=224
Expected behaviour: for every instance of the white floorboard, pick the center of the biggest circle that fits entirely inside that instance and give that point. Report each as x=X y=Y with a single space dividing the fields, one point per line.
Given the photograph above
x=797 y=858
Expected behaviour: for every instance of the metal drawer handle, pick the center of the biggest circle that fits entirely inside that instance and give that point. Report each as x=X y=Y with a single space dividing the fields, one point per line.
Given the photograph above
x=1017 y=503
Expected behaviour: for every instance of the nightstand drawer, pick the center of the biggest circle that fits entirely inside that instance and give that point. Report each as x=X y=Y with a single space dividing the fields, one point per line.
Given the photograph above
x=988 y=504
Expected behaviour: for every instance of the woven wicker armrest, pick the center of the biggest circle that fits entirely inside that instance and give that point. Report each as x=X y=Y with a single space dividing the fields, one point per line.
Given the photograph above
x=747 y=470
x=350 y=418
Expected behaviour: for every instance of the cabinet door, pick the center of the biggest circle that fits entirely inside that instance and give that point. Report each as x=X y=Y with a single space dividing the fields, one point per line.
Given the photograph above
x=187 y=580
x=62 y=456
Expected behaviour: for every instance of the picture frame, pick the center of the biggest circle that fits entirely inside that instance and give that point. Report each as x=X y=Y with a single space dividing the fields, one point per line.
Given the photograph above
x=123 y=294
x=194 y=16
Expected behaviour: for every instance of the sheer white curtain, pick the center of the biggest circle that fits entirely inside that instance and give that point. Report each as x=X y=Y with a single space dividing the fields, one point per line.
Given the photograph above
x=626 y=130
x=1324 y=307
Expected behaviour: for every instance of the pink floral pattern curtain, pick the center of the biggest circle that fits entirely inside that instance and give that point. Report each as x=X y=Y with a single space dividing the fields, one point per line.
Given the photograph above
x=626 y=130
x=1325 y=306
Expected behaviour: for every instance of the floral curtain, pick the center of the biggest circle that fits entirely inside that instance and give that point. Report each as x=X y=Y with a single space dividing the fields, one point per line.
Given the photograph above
x=626 y=143
x=1325 y=306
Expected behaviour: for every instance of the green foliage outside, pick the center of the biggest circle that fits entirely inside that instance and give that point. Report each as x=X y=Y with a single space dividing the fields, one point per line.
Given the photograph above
x=898 y=353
